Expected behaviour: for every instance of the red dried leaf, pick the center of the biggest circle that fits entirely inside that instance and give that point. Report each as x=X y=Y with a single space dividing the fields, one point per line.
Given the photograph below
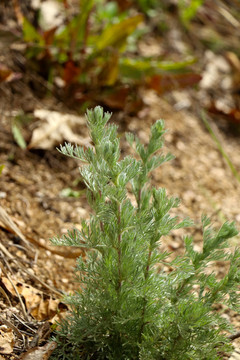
x=116 y=98
x=232 y=116
x=48 y=35
x=120 y=98
x=164 y=83
x=71 y=72
x=65 y=4
x=124 y=4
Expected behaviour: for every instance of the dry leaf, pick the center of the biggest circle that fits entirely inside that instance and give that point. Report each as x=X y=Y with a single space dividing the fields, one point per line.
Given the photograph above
x=6 y=340
x=71 y=72
x=7 y=75
x=40 y=352
x=232 y=115
x=45 y=309
x=115 y=98
x=56 y=127
x=168 y=82
x=40 y=306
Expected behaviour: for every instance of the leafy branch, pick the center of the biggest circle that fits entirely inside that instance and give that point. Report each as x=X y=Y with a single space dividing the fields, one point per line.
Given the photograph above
x=126 y=308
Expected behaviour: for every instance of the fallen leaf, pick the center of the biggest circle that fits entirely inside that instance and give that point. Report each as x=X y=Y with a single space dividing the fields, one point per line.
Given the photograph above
x=40 y=306
x=48 y=35
x=40 y=352
x=45 y=309
x=164 y=83
x=232 y=116
x=56 y=127
x=6 y=340
x=124 y=4
x=70 y=72
x=115 y=98
x=7 y=75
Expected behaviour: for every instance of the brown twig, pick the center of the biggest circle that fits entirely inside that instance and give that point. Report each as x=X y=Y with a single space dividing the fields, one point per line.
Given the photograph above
x=66 y=253
x=234 y=336
x=3 y=292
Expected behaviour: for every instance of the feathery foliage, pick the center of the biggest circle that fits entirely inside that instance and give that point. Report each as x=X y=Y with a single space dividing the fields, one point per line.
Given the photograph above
x=129 y=306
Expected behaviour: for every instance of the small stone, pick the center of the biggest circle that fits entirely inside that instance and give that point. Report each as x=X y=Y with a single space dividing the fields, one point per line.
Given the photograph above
x=3 y=194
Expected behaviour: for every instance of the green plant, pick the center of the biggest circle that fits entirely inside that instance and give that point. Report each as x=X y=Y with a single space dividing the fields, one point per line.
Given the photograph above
x=92 y=54
x=148 y=6
x=188 y=10
x=86 y=46
x=133 y=302
x=18 y=123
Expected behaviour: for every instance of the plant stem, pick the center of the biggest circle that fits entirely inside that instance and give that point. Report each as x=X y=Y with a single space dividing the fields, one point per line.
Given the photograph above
x=119 y=250
x=148 y=264
x=146 y=274
x=139 y=198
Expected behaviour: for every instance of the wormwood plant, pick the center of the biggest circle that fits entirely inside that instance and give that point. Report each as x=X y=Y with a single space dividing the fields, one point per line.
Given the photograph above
x=128 y=305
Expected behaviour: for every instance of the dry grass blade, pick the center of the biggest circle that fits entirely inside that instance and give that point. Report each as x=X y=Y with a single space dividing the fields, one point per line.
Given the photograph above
x=17 y=293
x=66 y=253
x=39 y=280
x=19 y=265
x=8 y=224
x=13 y=327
